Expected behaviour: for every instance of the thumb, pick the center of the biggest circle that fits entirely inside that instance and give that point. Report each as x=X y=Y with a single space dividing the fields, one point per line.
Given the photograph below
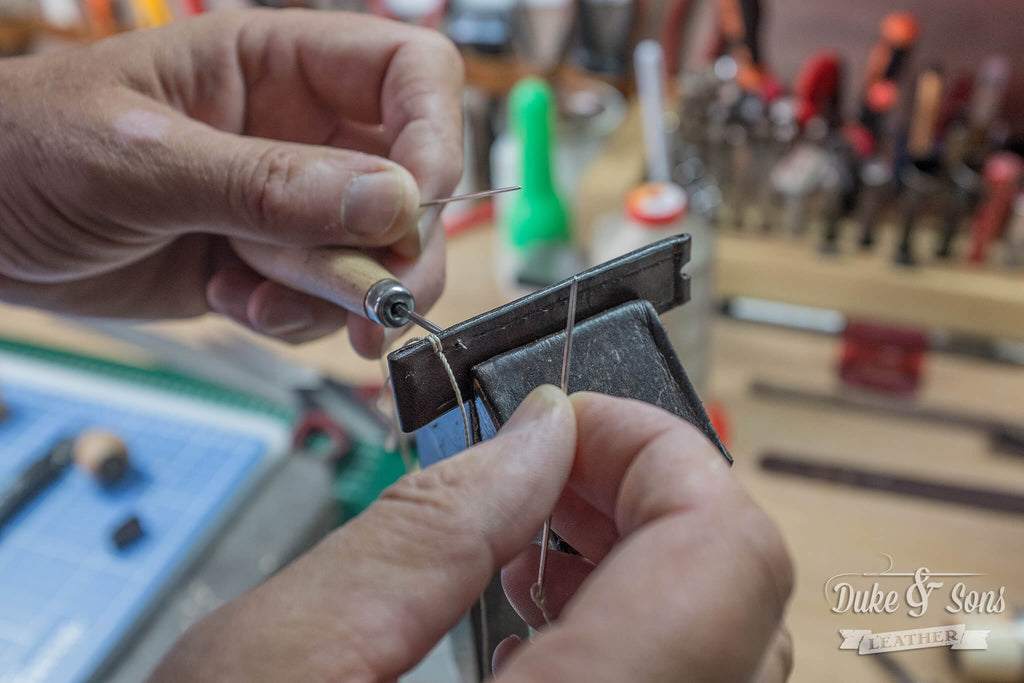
x=371 y=600
x=276 y=192
x=443 y=532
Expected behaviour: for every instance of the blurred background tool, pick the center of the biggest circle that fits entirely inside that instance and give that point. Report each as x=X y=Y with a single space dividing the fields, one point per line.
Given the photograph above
x=1003 y=171
x=818 y=88
x=876 y=186
x=101 y=453
x=649 y=63
x=884 y=358
x=687 y=33
x=740 y=24
x=897 y=36
x=967 y=142
x=605 y=30
x=814 y=468
x=1014 y=235
x=893 y=407
x=127 y=533
x=541 y=30
x=920 y=174
x=537 y=222
x=481 y=25
x=31 y=481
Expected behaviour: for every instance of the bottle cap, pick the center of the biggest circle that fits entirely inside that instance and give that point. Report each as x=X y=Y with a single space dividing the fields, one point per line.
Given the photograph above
x=900 y=29
x=655 y=204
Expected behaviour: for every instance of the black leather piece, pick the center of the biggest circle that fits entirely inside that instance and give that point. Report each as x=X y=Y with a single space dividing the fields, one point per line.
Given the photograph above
x=622 y=352
x=422 y=390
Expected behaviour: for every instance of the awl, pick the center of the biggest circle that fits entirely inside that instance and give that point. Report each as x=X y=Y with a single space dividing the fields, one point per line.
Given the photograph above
x=345 y=276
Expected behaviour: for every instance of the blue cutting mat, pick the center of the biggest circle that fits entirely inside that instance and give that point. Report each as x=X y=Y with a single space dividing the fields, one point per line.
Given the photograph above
x=68 y=597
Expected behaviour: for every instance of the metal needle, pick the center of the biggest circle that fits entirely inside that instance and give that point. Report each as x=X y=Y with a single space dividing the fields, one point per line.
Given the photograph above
x=569 y=326
x=424 y=323
x=472 y=195
x=537 y=590
x=418 y=319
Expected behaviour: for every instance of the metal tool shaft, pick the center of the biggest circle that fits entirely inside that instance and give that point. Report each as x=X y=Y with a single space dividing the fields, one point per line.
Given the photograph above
x=414 y=317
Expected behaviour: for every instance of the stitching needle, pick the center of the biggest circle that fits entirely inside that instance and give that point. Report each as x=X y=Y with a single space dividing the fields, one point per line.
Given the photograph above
x=537 y=589
x=472 y=195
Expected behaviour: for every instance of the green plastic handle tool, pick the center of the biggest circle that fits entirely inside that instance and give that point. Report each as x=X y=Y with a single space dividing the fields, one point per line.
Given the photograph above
x=537 y=214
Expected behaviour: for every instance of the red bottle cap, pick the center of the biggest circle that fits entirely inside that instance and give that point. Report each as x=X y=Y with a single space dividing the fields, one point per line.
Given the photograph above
x=900 y=29
x=655 y=204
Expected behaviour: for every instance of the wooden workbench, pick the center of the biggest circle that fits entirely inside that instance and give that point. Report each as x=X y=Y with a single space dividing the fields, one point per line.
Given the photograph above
x=829 y=529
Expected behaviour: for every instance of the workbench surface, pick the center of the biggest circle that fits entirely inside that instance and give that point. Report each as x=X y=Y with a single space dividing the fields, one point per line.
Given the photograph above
x=829 y=529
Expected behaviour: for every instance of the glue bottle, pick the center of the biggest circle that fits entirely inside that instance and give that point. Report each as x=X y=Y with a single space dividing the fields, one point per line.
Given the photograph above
x=652 y=212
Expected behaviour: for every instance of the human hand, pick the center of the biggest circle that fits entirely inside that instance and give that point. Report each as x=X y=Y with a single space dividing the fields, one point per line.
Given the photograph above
x=682 y=577
x=689 y=584
x=132 y=167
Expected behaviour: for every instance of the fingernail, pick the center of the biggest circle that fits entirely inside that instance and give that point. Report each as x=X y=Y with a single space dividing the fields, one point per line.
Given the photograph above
x=538 y=405
x=283 y=318
x=373 y=202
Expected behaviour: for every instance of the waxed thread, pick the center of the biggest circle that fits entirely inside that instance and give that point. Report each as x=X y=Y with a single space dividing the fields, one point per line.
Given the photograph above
x=435 y=343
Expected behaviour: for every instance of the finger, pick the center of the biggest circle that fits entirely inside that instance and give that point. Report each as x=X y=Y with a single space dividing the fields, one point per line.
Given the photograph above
x=229 y=290
x=393 y=581
x=699 y=567
x=152 y=294
x=367 y=54
x=503 y=651
x=176 y=174
x=584 y=527
x=291 y=316
x=424 y=113
x=270 y=308
x=360 y=137
x=563 y=576
x=408 y=80
x=289 y=68
x=609 y=446
x=778 y=660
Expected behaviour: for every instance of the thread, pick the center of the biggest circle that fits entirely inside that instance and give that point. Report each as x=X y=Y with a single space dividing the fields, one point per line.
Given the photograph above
x=435 y=344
